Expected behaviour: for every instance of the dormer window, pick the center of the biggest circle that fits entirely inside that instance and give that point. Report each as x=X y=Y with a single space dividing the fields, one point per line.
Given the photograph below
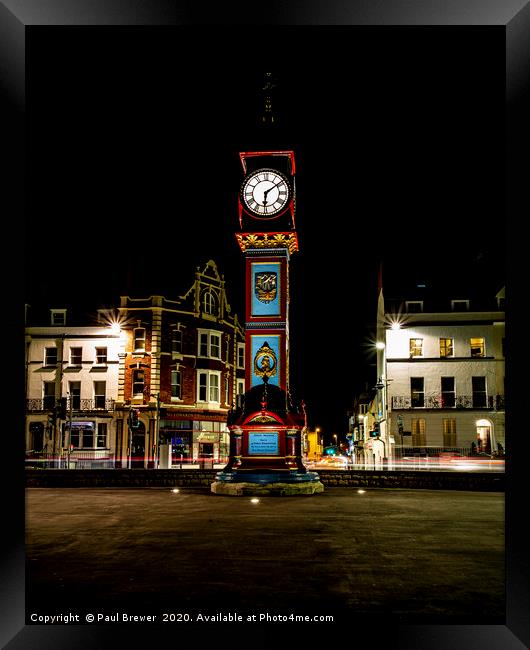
x=58 y=316
x=209 y=303
x=460 y=305
x=414 y=306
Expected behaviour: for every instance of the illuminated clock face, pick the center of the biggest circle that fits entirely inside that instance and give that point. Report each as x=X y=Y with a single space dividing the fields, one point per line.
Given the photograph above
x=265 y=193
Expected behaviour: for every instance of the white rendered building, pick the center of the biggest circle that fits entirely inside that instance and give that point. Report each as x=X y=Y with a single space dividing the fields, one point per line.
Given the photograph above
x=80 y=365
x=443 y=373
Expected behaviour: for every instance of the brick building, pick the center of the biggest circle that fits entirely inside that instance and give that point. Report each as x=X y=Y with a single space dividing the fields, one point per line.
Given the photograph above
x=181 y=367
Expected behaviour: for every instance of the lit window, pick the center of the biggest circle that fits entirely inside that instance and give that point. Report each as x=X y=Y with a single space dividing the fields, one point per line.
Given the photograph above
x=419 y=438
x=477 y=347
x=50 y=356
x=446 y=348
x=101 y=356
x=139 y=339
x=176 y=380
x=449 y=432
x=76 y=356
x=416 y=347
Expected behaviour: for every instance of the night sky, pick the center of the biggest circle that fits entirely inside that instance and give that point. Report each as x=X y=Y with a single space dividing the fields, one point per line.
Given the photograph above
x=133 y=171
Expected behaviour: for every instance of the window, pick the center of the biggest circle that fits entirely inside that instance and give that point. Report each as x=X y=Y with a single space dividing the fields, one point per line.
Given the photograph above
x=139 y=339
x=446 y=348
x=138 y=381
x=417 y=392
x=478 y=387
x=99 y=394
x=208 y=386
x=227 y=390
x=448 y=392
x=82 y=436
x=414 y=306
x=477 y=347
x=240 y=386
x=215 y=346
x=48 y=395
x=50 y=356
x=208 y=303
x=203 y=345
x=101 y=440
x=58 y=316
x=87 y=438
x=416 y=347
x=76 y=356
x=240 y=355
x=75 y=394
x=460 y=305
x=418 y=432
x=176 y=341
x=101 y=356
x=176 y=381
x=449 y=432
x=210 y=344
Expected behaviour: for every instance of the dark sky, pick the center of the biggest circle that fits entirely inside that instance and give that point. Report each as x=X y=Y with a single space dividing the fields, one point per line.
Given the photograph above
x=133 y=171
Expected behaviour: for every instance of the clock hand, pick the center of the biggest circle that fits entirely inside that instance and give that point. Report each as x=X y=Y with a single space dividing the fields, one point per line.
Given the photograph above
x=267 y=191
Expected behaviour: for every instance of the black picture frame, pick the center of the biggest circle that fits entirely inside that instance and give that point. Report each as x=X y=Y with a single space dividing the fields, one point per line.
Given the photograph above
x=15 y=18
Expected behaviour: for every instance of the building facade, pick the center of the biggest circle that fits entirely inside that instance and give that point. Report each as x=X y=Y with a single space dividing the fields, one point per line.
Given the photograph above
x=71 y=386
x=442 y=385
x=150 y=386
x=181 y=369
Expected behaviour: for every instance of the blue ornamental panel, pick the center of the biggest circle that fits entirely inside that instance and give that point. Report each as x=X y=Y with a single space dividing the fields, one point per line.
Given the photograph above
x=265 y=359
x=265 y=289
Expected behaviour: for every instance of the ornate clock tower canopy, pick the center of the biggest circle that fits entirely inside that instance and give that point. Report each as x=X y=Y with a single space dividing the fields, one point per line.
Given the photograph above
x=266 y=428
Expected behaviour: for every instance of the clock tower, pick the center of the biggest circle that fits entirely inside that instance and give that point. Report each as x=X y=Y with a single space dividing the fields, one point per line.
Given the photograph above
x=265 y=426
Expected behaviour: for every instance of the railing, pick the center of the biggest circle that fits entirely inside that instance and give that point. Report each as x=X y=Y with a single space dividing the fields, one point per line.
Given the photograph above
x=95 y=459
x=495 y=402
x=432 y=452
x=78 y=404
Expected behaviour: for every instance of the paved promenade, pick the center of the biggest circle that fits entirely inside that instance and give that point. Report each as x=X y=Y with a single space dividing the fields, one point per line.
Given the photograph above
x=418 y=555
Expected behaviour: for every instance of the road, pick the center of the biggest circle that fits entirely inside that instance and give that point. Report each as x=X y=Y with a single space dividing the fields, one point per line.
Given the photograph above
x=419 y=555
